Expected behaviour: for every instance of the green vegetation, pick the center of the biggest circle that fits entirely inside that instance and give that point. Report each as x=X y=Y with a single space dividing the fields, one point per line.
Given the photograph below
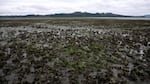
x=86 y=51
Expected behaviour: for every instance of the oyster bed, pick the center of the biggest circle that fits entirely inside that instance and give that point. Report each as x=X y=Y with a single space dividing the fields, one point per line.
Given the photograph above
x=74 y=51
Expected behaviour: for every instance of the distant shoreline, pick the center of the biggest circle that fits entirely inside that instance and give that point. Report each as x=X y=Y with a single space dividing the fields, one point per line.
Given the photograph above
x=119 y=18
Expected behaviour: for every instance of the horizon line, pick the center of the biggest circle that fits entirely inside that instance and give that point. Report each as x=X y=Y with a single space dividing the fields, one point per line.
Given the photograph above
x=68 y=13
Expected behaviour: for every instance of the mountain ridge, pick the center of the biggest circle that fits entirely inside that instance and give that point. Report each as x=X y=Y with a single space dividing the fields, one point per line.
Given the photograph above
x=74 y=14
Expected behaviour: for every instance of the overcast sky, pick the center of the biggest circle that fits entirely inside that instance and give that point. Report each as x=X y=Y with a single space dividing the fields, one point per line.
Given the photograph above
x=23 y=7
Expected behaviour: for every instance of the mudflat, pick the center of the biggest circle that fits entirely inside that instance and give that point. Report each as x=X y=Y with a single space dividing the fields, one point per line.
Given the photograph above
x=74 y=51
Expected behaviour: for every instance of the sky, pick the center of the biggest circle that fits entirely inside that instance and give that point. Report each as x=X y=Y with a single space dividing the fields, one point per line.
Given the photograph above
x=43 y=7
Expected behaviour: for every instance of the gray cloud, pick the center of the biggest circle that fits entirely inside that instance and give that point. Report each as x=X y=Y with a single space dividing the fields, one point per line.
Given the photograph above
x=22 y=7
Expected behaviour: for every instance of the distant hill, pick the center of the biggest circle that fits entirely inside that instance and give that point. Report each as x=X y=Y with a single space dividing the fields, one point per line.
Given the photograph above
x=147 y=16
x=76 y=14
x=86 y=14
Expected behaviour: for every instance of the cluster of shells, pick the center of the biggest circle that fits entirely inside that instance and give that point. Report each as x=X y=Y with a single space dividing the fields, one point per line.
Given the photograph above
x=52 y=54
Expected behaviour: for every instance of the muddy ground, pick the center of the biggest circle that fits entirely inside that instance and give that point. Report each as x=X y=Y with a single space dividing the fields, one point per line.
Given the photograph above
x=74 y=51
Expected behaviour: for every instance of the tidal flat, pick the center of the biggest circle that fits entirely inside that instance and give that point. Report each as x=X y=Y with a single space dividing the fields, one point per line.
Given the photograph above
x=74 y=51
